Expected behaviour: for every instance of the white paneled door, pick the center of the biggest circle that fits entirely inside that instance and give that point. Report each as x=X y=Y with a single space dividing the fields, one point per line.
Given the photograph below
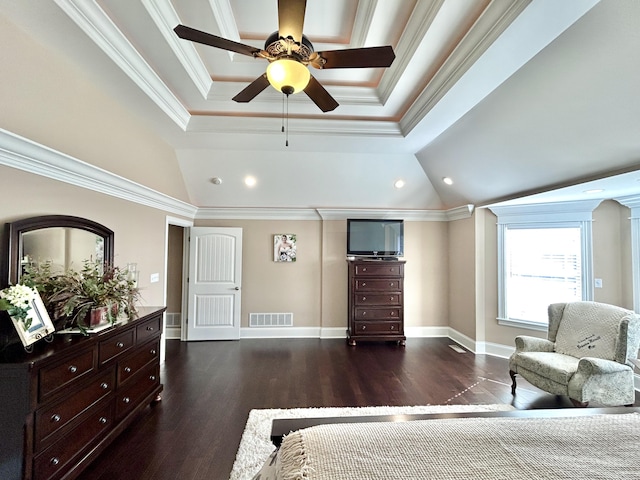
x=214 y=285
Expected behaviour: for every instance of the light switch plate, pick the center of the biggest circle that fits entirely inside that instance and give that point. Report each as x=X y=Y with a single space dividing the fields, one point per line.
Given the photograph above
x=154 y=278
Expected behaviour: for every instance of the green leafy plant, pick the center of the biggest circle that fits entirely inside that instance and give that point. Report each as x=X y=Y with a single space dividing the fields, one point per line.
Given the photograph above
x=70 y=296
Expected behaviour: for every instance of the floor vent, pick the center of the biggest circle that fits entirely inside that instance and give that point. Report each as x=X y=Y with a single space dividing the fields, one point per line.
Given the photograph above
x=271 y=319
x=456 y=348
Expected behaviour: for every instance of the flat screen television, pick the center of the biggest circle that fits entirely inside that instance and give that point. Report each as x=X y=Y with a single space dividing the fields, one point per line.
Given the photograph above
x=375 y=238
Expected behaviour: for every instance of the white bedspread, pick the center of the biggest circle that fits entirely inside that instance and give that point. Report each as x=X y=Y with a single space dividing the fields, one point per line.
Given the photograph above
x=603 y=447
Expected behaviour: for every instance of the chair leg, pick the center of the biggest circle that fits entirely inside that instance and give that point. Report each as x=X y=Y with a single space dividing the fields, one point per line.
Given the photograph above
x=576 y=403
x=512 y=374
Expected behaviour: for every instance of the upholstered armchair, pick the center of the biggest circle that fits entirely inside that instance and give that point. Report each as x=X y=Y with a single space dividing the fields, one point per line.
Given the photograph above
x=587 y=355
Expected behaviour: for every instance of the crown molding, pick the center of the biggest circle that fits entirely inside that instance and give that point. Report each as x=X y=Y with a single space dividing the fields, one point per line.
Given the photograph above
x=23 y=154
x=631 y=201
x=249 y=213
x=492 y=23
x=414 y=32
x=579 y=210
x=364 y=13
x=407 y=215
x=90 y=17
x=301 y=126
x=166 y=18
x=460 y=213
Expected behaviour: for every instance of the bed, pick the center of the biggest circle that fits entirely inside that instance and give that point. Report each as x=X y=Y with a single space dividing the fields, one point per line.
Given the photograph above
x=570 y=443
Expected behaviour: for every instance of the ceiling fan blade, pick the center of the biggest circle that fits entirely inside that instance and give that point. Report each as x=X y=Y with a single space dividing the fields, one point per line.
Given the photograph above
x=320 y=96
x=252 y=90
x=205 y=38
x=358 y=57
x=291 y=18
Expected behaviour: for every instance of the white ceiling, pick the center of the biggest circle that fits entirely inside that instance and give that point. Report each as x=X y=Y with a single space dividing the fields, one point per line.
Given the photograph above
x=505 y=97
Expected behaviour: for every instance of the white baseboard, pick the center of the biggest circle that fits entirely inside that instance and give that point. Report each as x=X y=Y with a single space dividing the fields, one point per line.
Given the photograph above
x=280 y=332
x=172 y=333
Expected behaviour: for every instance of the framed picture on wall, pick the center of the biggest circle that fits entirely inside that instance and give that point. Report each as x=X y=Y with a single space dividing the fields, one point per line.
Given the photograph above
x=284 y=247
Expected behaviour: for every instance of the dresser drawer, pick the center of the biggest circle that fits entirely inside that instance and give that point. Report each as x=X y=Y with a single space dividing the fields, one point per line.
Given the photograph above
x=140 y=385
x=379 y=285
x=378 y=299
x=51 y=462
x=390 y=313
x=378 y=270
x=129 y=366
x=50 y=420
x=148 y=329
x=377 y=328
x=54 y=379
x=117 y=345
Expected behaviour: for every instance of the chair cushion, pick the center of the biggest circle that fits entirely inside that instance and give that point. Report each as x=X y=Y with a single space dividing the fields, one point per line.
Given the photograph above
x=554 y=366
x=589 y=329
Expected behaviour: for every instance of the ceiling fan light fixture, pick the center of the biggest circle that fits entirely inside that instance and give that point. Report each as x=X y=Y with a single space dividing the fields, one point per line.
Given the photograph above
x=288 y=76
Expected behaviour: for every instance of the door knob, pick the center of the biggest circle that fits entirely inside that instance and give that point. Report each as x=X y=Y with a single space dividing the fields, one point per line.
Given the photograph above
x=237 y=288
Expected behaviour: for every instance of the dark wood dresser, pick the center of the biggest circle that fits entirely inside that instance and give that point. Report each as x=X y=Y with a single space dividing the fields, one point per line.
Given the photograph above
x=376 y=296
x=62 y=404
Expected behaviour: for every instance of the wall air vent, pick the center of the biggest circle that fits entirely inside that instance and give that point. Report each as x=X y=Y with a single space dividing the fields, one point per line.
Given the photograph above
x=271 y=319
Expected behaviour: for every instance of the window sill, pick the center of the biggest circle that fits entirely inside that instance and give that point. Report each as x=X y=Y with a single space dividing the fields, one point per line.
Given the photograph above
x=527 y=324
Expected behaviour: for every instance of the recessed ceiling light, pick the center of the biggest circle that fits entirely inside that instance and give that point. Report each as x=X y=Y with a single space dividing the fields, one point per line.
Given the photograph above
x=399 y=183
x=447 y=180
x=594 y=190
x=250 y=181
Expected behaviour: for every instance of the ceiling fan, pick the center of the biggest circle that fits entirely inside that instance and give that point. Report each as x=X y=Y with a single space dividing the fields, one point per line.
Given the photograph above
x=289 y=53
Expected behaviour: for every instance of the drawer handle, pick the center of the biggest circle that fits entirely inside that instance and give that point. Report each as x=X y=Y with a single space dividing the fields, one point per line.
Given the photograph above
x=364 y=299
x=393 y=313
x=55 y=418
x=119 y=344
x=54 y=461
x=152 y=378
x=73 y=368
x=364 y=327
x=364 y=313
x=392 y=327
x=364 y=284
x=364 y=269
x=153 y=351
x=127 y=369
x=391 y=299
x=149 y=329
x=104 y=385
x=126 y=399
x=391 y=284
x=103 y=420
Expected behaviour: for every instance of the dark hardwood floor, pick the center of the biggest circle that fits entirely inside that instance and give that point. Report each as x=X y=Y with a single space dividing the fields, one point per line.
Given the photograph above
x=210 y=387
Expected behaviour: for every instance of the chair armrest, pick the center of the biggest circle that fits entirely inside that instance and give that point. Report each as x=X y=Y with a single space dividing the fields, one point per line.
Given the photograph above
x=525 y=343
x=599 y=366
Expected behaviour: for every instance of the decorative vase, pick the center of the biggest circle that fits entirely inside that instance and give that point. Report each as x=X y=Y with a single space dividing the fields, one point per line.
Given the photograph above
x=97 y=317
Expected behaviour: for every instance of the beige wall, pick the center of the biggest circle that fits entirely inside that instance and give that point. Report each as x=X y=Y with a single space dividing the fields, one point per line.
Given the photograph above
x=174 y=269
x=611 y=258
x=277 y=287
x=462 y=274
x=138 y=230
x=45 y=98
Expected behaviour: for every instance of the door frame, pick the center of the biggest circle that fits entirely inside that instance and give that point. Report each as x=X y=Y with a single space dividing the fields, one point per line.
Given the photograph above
x=185 y=224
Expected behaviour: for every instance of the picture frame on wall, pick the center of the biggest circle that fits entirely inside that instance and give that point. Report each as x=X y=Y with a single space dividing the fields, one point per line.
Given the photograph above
x=284 y=247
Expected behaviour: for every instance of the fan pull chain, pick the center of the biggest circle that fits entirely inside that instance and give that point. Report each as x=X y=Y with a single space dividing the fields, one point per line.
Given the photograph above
x=282 y=113
x=286 y=142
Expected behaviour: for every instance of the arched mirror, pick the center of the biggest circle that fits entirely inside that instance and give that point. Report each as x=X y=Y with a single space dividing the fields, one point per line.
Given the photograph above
x=63 y=240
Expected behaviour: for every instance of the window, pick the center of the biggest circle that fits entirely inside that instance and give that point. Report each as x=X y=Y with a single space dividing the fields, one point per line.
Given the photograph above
x=544 y=257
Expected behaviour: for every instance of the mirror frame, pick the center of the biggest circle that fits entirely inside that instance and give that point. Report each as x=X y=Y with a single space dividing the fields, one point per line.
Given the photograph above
x=14 y=231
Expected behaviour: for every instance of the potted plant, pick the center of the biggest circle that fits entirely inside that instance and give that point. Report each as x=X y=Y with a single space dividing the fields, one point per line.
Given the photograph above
x=95 y=295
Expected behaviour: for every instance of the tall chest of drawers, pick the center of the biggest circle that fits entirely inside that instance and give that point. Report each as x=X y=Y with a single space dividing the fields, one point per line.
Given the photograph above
x=376 y=301
x=62 y=405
